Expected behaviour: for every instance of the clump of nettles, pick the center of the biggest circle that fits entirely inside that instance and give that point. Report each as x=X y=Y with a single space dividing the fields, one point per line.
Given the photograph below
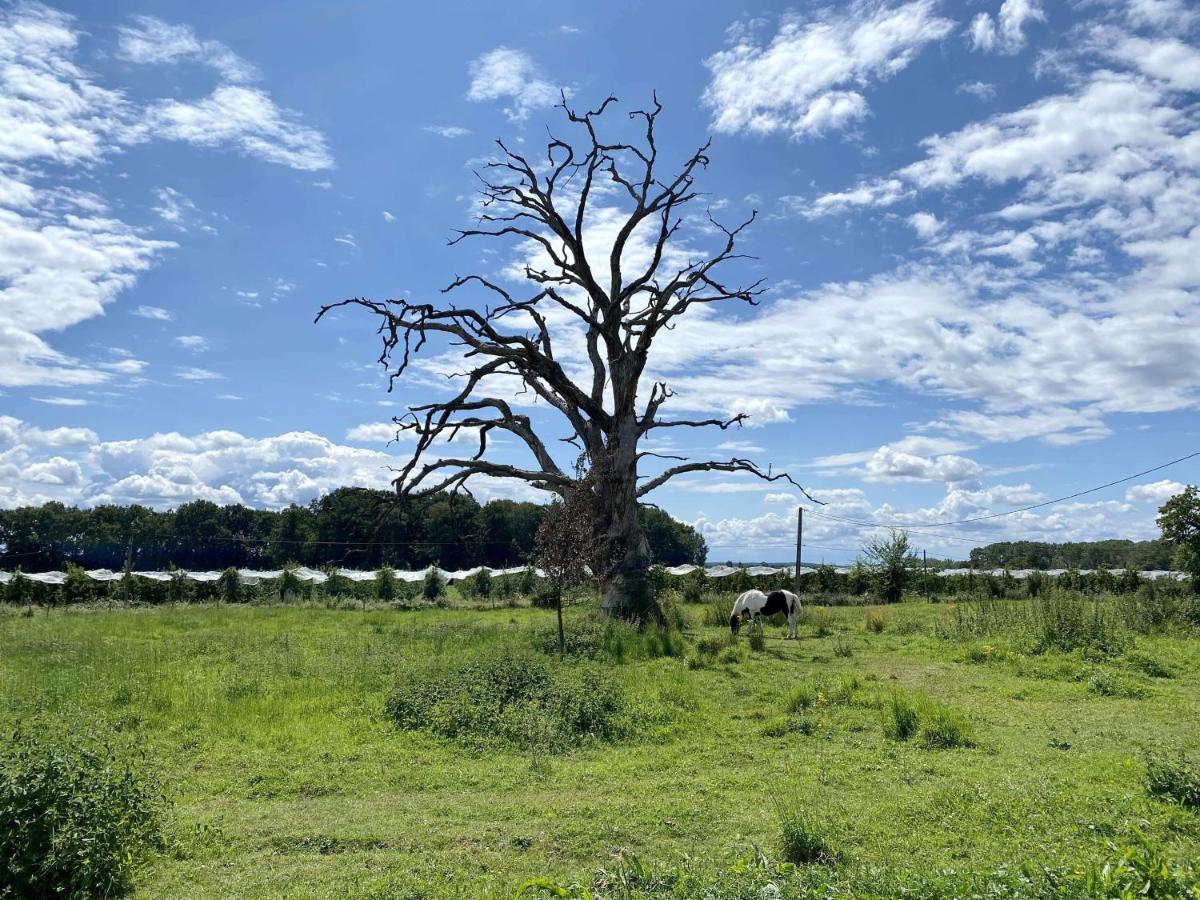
x=1174 y=778
x=75 y=820
x=516 y=699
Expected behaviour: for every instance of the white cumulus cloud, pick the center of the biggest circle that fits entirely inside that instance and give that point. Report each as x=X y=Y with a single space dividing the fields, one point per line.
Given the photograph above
x=809 y=77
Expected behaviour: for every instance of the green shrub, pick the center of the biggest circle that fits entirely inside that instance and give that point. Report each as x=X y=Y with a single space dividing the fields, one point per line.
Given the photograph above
x=527 y=582
x=229 y=586
x=509 y=696
x=694 y=585
x=75 y=821
x=1143 y=870
x=842 y=647
x=729 y=656
x=943 y=728
x=1148 y=665
x=802 y=841
x=1107 y=684
x=385 y=584
x=434 y=585
x=1174 y=778
x=290 y=587
x=900 y=718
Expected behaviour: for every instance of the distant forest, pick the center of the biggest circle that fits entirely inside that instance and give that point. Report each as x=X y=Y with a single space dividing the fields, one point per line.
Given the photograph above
x=354 y=528
x=1140 y=555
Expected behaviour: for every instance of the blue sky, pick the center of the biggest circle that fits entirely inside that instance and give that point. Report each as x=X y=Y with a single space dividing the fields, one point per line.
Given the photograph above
x=978 y=222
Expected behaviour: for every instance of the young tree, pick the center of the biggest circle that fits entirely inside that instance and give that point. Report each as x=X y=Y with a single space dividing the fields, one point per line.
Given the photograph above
x=1179 y=521
x=889 y=558
x=610 y=301
x=564 y=545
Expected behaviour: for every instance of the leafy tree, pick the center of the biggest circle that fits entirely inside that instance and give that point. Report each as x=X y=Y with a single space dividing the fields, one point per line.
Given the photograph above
x=889 y=559
x=1179 y=521
x=671 y=543
x=385 y=584
x=565 y=545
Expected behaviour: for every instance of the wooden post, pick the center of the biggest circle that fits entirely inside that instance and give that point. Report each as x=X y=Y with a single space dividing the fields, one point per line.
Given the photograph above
x=799 y=544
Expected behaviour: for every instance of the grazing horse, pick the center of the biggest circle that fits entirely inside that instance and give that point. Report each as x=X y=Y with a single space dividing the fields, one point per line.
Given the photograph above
x=753 y=604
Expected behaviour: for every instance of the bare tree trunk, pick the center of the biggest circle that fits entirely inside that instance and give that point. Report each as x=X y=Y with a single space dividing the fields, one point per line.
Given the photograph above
x=624 y=580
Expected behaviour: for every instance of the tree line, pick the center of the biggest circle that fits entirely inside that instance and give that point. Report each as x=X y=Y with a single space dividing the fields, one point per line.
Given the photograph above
x=1112 y=554
x=357 y=528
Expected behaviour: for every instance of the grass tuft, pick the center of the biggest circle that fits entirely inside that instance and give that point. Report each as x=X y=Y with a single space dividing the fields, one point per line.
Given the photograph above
x=802 y=839
x=900 y=717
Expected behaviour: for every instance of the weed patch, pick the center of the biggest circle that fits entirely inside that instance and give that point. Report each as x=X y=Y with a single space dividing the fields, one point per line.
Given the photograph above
x=1174 y=778
x=74 y=820
x=515 y=699
x=1103 y=683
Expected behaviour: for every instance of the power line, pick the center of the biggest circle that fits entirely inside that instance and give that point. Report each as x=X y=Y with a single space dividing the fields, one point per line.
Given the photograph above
x=1011 y=511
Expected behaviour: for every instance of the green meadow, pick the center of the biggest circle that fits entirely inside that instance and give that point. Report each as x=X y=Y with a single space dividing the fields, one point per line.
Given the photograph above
x=916 y=750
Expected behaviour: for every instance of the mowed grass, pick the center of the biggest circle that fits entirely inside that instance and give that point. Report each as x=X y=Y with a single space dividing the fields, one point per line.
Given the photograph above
x=267 y=726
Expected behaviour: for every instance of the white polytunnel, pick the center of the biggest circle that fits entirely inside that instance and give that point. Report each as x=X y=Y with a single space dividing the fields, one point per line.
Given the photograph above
x=315 y=576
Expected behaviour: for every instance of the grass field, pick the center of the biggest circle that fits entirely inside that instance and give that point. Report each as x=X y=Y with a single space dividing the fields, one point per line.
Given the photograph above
x=267 y=728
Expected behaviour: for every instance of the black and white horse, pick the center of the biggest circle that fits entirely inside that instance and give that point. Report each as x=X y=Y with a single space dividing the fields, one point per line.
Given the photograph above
x=753 y=604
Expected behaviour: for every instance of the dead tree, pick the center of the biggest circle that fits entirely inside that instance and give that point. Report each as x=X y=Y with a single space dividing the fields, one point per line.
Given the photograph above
x=616 y=310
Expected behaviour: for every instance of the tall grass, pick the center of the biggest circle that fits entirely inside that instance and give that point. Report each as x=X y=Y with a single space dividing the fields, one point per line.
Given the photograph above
x=1053 y=620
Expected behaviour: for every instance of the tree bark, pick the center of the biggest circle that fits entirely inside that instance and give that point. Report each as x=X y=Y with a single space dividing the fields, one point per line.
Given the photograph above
x=624 y=551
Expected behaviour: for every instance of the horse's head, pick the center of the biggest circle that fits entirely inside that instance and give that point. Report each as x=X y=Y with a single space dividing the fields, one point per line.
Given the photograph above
x=735 y=622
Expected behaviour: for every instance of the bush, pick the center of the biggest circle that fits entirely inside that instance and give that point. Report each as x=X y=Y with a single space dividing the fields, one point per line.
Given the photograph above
x=1174 y=778
x=694 y=585
x=1107 y=684
x=842 y=647
x=900 y=718
x=74 y=820
x=434 y=585
x=385 y=584
x=527 y=582
x=801 y=840
x=513 y=698
x=1143 y=870
x=229 y=586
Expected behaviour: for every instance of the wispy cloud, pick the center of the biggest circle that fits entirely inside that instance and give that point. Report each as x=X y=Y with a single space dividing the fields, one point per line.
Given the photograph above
x=512 y=75
x=191 y=373
x=447 y=131
x=153 y=312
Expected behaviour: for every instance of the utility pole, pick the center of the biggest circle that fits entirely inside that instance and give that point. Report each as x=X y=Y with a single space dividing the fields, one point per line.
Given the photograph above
x=799 y=543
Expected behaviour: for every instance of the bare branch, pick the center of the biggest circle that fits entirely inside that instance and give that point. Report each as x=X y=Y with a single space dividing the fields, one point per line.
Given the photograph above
x=733 y=465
